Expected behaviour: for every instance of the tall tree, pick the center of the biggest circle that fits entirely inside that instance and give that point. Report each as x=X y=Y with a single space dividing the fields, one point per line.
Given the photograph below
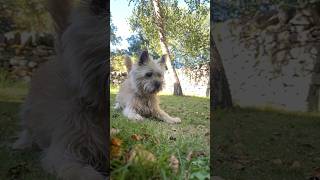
x=114 y=39
x=181 y=30
x=148 y=17
x=220 y=91
x=164 y=46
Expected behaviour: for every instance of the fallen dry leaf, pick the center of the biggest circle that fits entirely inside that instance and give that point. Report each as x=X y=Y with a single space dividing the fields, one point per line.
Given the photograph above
x=139 y=154
x=116 y=141
x=116 y=150
x=136 y=137
x=174 y=164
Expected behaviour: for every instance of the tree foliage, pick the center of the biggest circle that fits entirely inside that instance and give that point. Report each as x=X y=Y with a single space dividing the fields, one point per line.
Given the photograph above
x=24 y=15
x=117 y=61
x=113 y=37
x=187 y=29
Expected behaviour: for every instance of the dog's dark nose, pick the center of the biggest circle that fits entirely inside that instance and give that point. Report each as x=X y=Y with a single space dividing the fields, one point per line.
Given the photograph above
x=157 y=84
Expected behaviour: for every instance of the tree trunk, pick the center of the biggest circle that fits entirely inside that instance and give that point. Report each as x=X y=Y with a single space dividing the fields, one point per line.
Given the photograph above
x=220 y=92
x=164 y=48
x=208 y=88
x=313 y=98
x=314 y=88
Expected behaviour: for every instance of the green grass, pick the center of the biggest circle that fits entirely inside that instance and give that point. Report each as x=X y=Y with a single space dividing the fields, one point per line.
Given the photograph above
x=164 y=140
x=264 y=144
x=248 y=143
x=192 y=134
x=15 y=164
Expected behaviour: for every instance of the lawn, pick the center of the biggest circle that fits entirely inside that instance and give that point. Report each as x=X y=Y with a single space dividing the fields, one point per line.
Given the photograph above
x=156 y=150
x=248 y=143
x=265 y=144
x=187 y=142
x=23 y=165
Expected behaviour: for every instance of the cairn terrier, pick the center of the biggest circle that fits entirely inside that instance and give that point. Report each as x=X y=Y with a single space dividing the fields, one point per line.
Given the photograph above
x=137 y=96
x=65 y=111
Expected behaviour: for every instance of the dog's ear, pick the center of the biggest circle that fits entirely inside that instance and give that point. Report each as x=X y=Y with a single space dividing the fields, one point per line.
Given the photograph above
x=162 y=61
x=144 y=58
x=128 y=63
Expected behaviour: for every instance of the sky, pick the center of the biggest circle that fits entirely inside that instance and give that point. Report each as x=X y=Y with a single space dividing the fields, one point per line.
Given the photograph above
x=120 y=13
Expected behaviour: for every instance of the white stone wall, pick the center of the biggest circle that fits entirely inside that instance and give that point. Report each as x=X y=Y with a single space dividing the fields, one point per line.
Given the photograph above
x=193 y=83
x=252 y=79
x=190 y=84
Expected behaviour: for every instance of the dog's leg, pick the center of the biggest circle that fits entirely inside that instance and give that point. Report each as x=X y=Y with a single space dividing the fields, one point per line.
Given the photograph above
x=24 y=141
x=131 y=114
x=66 y=166
x=117 y=106
x=160 y=114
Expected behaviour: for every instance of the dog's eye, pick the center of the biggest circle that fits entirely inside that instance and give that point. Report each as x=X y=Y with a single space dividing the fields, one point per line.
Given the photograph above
x=149 y=74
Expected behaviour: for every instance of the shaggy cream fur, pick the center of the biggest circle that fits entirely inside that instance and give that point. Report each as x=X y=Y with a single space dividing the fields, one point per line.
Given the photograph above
x=64 y=113
x=137 y=96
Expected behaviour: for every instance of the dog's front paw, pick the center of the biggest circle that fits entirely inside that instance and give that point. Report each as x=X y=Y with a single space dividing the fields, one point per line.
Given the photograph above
x=136 y=117
x=117 y=106
x=174 y=120
x=177 y=120
x=132 y=115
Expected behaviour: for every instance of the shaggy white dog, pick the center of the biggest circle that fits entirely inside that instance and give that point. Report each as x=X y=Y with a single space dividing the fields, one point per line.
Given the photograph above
x=65 y=112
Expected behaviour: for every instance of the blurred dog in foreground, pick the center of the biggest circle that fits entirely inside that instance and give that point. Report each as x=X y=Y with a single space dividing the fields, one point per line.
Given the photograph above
x=64 y=113
x=137 y=96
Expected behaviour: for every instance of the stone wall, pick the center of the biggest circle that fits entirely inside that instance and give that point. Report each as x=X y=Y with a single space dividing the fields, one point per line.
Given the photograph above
x=22 y=53
x=269 y=59
x=117 y=78
x=194 y=82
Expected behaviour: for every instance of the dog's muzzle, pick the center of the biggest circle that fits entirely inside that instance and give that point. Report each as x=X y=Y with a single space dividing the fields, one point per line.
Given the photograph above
x=157 y=85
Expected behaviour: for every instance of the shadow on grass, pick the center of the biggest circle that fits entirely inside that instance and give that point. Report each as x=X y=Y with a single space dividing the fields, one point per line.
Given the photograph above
x=265 y=143
x=9 y=115
x=23 y=164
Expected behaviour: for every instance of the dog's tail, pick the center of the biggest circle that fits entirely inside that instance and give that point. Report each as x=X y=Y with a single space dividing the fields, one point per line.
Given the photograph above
x=128 y=63
x=60 y=11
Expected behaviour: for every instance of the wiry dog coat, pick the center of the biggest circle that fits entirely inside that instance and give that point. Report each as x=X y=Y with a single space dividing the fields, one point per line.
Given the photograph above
x=64 y=113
